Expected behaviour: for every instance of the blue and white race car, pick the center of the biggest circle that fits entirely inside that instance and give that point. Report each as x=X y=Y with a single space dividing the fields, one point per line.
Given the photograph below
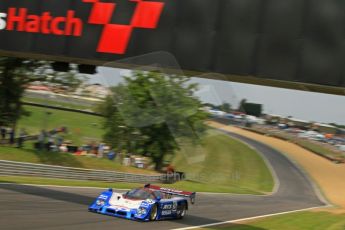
x=145 y=204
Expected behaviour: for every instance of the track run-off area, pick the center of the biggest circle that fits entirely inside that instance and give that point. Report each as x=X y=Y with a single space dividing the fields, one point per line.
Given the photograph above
x=51 y=207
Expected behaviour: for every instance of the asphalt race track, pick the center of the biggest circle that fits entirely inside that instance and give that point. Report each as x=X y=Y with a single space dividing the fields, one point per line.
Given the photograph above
x=34 y=207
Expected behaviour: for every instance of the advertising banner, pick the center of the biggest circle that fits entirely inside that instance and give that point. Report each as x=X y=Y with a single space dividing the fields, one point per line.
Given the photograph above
x=286 y=40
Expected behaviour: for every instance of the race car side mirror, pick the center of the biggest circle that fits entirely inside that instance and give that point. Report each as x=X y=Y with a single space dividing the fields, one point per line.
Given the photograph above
x=110 y=190
x=158 y=198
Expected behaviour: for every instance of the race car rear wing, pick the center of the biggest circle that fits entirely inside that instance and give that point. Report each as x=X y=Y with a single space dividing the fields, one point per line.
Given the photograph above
x=175 y=192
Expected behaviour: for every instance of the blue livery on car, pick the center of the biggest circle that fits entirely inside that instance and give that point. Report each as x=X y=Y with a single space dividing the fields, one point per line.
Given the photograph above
x=148 y=203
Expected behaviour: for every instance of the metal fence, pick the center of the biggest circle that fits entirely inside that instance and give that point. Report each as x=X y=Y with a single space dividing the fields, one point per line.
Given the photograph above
x=13 y=168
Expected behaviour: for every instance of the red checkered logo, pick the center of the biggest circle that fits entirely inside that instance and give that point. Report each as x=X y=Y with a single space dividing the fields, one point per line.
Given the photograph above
x=115 y=37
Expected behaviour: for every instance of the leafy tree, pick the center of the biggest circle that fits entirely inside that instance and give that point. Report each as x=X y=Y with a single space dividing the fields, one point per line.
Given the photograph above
x=250 y=108
x=241 y=106
x=226 y=107
x=155 y=111
x=15 y=74
x=337 y=125
x=253 y=109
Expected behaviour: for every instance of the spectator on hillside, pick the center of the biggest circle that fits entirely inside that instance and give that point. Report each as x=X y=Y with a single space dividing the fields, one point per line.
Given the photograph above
x=79 y=151
x=111 y=155
x=41 y=139
x=100 y=150
x=3 y=132
x=12 y=135
x=21 y=138
x=94 y=149
x=170 y=169
x=63 y=148
x=64 y=129
x=170 y=173
x=59 y=140
x=50 y=142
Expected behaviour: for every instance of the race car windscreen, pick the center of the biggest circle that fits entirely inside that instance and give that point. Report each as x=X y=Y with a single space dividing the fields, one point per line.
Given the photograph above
x=139 y=194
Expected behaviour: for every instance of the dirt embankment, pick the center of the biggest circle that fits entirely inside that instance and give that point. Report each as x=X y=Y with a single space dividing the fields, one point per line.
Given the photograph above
x=329 y=176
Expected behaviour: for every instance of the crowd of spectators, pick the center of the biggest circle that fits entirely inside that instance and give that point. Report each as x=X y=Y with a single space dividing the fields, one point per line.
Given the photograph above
x=8 y=136
x=53 y=141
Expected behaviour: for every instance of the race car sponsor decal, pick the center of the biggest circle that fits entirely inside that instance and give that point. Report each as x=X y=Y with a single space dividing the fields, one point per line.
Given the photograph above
x=119 y=207
x=166 y=212
x=170 y=190
x=144 y=204
x=150 y=201
x=103 y=197
x=167 y=206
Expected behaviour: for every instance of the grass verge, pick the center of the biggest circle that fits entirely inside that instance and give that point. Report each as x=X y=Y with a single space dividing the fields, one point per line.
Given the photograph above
x=224 y=164
x=294 y=221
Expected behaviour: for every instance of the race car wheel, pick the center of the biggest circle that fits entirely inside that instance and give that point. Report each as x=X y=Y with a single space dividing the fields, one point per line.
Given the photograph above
x=153 y=213
x=181 y=211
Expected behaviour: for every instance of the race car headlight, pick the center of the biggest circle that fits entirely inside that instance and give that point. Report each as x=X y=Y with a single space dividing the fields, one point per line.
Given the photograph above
x=141 y=211
x=100 y=202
